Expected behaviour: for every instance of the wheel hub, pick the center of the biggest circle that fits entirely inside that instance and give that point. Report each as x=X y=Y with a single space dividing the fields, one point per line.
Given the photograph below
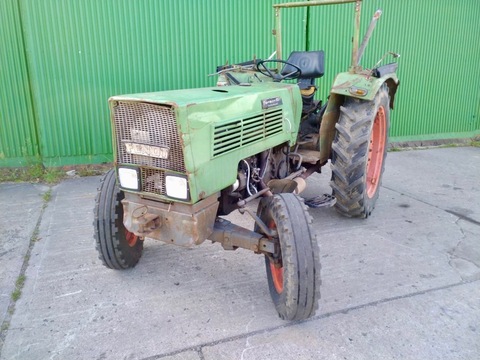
x=131 y=238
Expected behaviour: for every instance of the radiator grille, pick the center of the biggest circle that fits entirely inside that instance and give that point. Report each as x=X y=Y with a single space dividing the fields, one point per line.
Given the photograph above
x=150 y=124
x=241 y=132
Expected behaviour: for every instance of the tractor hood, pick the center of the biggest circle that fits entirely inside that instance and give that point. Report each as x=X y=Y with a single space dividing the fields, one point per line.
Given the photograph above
x=206 y=130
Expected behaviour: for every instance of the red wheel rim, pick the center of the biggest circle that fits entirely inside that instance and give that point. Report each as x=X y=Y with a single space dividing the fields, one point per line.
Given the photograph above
x=376 y=151
x=131 y=238
x=276 y=271
x=277 y=277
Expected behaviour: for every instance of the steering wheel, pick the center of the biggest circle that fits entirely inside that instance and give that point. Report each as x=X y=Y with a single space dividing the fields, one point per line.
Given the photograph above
x=295 y=74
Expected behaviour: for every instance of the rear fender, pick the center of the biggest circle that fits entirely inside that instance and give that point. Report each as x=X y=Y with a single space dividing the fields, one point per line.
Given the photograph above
x=364 y=87
x=345 y=85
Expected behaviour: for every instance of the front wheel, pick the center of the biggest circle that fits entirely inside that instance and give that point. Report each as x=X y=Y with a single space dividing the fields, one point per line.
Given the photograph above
x=293 y=272
x=117 y=247
x=358 y=153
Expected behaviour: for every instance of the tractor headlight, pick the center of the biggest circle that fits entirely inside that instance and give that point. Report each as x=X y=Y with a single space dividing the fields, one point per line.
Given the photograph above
x=128 y=178
x=176 y=187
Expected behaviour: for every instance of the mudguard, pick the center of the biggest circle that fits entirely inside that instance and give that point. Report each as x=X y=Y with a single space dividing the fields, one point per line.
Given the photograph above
x=364 y=86
x=361 y=86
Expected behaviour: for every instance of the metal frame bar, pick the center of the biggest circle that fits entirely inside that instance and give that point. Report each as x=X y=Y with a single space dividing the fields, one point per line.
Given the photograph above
x=368 y=35
x=232 y=236
x=277 y=32
x=313 y=3
x=356 y=36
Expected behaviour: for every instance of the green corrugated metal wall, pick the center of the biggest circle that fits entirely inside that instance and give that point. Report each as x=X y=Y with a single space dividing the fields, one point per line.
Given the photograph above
x=439 y=67
x=18 y=140
x=62 y=59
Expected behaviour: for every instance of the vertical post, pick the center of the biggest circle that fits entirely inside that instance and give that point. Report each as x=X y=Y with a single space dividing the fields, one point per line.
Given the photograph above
x=356 y=36
x=368 y=34
x=278 y=34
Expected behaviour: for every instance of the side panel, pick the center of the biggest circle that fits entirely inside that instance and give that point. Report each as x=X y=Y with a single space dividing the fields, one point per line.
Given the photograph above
x=218 y=135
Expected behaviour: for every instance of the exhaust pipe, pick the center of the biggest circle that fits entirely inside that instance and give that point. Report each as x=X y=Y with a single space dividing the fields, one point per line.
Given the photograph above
x=301 y=185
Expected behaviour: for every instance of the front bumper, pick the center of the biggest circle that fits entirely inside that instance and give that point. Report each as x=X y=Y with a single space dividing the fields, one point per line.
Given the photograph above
x=174 y=223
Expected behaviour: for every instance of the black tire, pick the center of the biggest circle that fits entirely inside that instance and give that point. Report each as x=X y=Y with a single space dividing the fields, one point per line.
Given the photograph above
x=358 y=153
x=117 y=247
x=295 y=283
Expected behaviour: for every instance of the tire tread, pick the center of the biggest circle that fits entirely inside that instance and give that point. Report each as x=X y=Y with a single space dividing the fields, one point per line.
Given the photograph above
x=111 y=245
x=349 y=153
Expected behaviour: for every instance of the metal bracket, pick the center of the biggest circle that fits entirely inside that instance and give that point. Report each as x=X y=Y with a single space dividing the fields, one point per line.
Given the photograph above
x=259 y=222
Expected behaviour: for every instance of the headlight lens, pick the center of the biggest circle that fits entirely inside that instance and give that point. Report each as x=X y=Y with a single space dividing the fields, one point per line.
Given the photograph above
x=176 y=187
x=128 y=178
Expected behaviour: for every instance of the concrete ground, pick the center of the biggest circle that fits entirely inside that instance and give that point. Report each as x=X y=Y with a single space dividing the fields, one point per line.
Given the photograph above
x=403 y=284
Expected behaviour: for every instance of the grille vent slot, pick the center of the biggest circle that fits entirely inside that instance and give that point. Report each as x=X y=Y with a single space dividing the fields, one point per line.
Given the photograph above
x=153 y=181
x=241 y=132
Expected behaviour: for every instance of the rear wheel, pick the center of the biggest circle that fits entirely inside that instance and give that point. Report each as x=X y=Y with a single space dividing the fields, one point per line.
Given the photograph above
x=117 y=247
x=293 y=272
x=358 y=153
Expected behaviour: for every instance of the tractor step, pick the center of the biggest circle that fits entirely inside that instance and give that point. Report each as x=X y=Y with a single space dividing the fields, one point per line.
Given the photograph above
x=324 y=200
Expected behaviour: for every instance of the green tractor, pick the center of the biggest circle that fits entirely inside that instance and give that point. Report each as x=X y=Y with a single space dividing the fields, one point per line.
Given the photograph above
x=185 y=158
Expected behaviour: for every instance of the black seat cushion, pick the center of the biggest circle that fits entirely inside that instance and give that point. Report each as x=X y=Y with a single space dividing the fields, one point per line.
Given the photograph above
x=312 y=63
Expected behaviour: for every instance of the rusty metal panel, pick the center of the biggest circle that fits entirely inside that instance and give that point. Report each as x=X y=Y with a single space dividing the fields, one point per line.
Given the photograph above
x=18 y=142
x=439 y=95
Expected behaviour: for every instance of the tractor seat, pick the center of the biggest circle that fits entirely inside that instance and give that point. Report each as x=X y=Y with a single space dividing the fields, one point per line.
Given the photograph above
x=312 y=64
